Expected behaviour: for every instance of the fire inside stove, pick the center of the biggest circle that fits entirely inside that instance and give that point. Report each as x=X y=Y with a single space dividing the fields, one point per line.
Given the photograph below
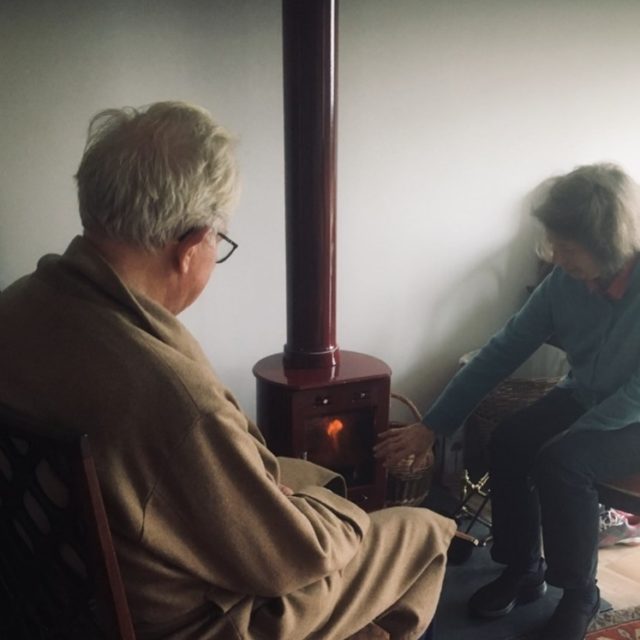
x=343 y=443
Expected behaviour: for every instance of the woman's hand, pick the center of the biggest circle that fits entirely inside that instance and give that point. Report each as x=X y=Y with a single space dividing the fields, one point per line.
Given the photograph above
x=399 y=443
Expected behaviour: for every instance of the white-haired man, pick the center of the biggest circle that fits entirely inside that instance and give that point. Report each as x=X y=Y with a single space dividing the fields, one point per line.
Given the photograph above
x=217 y=539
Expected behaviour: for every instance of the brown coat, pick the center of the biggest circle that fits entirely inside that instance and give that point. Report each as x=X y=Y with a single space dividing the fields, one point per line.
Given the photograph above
x=208 y=544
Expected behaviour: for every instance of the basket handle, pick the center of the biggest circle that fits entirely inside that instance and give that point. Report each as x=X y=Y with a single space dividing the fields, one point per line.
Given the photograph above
x=398 y=396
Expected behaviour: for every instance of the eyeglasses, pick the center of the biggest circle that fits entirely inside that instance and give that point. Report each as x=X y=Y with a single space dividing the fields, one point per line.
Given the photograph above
x=225 y=250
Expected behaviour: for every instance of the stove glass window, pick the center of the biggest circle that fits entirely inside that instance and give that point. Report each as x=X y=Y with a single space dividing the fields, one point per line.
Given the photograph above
x=344 y=443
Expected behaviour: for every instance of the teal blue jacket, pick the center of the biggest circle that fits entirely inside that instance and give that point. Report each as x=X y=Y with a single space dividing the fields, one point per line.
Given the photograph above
x=600 y=336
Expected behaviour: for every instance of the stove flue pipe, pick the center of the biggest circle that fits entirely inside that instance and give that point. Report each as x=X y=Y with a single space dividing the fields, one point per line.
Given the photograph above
x=309 y=67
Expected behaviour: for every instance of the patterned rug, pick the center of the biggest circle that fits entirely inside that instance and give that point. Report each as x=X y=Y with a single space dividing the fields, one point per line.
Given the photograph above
x=610 y=625
x=616 y=625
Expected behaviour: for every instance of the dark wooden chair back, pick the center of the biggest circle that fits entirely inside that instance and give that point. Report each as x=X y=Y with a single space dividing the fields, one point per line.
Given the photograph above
x=623 y=494
x=59 y=575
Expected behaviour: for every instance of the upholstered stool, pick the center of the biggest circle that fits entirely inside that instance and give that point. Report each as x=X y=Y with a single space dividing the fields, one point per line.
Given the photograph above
x=623 y=494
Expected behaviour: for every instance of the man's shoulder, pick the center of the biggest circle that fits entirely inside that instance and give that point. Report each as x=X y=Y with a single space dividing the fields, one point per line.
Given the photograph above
x=15 y=290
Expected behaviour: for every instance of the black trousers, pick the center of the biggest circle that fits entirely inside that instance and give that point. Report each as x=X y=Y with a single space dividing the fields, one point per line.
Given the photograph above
x=543 y=487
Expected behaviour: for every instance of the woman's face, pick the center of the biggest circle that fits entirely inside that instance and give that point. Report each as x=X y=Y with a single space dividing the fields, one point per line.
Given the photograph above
x=571 y=256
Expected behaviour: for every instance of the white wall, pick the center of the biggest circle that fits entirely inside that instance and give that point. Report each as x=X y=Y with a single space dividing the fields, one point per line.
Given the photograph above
x=449 y=114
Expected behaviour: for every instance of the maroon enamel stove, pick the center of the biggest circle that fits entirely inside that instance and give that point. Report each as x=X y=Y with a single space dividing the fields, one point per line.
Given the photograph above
x=315 y=401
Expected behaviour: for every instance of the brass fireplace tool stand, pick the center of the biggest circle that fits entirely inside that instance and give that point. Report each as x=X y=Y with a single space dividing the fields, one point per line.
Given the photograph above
x=475 y=500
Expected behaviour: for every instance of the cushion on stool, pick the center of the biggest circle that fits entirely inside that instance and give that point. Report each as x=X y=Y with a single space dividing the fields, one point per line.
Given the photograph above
x=623 y=493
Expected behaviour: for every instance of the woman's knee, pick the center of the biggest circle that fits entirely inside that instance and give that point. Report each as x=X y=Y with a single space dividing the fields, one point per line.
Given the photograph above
x=555 y=465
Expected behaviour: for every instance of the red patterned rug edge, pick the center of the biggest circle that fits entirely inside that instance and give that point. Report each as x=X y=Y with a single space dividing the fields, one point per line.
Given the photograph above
x=616 y=625
x=623 y=624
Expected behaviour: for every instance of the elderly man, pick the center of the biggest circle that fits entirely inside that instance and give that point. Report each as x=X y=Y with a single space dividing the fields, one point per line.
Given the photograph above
x=546 y=459
x=216 y=537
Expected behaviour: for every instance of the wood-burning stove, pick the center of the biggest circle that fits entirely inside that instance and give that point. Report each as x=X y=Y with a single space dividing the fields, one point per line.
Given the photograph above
x=328 y=416
x=315 y=401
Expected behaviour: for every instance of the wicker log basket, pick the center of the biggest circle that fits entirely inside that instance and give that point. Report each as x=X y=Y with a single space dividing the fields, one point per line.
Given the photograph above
x=408 y=483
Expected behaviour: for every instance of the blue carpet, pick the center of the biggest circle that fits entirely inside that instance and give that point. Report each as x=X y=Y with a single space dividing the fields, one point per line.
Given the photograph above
x=461 y=581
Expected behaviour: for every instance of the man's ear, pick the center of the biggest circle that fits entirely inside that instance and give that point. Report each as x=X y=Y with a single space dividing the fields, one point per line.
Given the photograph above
x=187 y=247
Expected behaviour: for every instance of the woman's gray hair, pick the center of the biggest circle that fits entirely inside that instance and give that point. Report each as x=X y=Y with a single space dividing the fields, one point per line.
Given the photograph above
x=597 y=206
x=148 y=176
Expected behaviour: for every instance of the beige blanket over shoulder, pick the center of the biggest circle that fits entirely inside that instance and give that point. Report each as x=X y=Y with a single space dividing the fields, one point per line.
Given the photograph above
x=209 y=546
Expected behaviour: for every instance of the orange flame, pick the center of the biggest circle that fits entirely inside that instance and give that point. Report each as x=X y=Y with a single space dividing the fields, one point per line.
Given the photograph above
x=333 y=429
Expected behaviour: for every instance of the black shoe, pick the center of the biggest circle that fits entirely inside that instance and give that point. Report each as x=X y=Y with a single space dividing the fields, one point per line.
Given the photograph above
x=572 y=616
x=509 y=589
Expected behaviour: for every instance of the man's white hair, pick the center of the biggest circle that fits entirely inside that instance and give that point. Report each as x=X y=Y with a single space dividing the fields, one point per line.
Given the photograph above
x=149 y=175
